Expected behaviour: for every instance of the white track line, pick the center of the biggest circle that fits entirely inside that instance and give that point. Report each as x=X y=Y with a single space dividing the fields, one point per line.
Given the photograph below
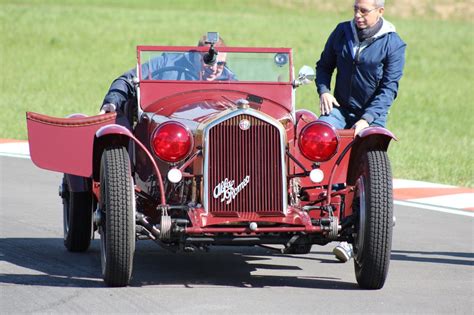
x=457 y=201
x=15 y=149
x=20 y=156
x=433 y=208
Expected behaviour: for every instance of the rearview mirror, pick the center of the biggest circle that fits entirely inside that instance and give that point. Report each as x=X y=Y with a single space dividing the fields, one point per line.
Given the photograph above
x=306 y=75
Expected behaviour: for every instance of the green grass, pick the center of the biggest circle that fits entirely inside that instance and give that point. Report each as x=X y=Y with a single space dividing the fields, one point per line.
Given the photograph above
x=59 y=57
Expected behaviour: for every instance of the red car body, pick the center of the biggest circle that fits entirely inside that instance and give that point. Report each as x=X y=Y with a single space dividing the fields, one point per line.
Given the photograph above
x=246 y=178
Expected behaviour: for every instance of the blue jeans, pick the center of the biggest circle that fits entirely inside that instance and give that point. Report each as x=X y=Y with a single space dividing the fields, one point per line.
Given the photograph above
x=343 y=119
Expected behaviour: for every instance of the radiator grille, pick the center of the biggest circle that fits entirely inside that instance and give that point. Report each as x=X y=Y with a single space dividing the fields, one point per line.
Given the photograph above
x=245 y=168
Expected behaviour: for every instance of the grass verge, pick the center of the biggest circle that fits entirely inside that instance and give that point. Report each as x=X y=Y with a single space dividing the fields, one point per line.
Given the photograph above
x=59 y=57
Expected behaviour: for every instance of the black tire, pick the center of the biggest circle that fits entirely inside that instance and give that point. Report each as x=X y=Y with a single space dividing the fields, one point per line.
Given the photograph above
x=117 y=229
x=77 y=219
x=373 y=206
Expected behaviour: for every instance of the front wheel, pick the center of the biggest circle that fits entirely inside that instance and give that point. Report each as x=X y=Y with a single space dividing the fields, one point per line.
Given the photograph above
x=373 y=205
x=117 y=228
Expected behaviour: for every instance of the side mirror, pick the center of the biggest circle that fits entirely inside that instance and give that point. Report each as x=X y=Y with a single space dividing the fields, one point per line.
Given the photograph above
x=306 y=75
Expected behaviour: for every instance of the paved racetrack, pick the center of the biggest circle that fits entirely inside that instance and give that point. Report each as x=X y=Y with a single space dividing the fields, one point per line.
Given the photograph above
x=431 y=269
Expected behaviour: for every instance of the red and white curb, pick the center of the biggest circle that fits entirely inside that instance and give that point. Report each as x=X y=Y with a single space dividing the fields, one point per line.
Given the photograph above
x=429 y=196
x=14 y=148
x=436 y=197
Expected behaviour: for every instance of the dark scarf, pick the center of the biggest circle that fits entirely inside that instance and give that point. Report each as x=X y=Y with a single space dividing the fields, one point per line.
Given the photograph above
x=368 y=32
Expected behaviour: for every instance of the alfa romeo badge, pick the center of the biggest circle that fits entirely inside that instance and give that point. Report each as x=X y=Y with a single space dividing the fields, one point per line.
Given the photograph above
x=244 y=124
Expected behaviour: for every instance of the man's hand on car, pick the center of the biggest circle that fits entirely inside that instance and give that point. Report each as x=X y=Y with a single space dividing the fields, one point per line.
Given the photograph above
x=107 y=108
x=361 y=124
x=326 y=103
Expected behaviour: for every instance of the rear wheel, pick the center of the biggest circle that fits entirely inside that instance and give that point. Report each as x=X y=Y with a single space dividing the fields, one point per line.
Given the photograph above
x=373 y=205
x=77 y=218
x=117 y=228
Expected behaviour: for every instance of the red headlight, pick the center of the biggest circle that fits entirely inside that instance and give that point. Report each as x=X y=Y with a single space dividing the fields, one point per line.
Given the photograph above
x=318 y=141
x=172 y=142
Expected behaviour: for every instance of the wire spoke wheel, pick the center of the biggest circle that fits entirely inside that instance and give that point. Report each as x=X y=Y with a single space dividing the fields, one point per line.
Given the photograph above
x=373 y=205
x=117 y=228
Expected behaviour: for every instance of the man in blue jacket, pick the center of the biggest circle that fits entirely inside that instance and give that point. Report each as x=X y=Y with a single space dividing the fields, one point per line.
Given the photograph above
x=369 y=57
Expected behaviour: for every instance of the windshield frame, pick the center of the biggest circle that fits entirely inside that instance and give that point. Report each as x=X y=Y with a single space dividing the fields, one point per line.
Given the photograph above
x=144 y=48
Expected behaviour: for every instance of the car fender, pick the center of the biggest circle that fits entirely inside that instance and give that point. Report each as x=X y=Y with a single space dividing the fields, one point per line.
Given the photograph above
x=109 y=135
x=375 y=136
x=305 y=115
x=119 y=135
x=372 y=138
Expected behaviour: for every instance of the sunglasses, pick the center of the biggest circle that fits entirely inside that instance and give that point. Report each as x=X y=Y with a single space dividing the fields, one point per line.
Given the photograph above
x=363 y=11
x=219 y=64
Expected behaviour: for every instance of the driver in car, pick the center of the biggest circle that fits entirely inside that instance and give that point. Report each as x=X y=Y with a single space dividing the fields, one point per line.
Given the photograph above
x=169 y=66
x=217 y=71
x=187 y=66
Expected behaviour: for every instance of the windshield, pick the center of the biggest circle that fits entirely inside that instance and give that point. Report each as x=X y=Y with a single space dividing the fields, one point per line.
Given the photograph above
x=228 y=66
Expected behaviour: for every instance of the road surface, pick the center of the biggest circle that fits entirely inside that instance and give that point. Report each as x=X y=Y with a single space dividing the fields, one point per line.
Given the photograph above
x=431 y=268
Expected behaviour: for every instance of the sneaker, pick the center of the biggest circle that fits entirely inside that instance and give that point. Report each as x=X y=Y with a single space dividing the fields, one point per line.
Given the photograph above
x=343 y=251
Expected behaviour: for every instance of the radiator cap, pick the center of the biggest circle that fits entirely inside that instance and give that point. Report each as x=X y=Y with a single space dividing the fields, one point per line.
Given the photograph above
x=242 y=103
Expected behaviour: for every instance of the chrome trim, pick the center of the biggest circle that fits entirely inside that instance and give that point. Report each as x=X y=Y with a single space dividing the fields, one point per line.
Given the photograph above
x=259 y=115
x=139 y=105
x=293 y=98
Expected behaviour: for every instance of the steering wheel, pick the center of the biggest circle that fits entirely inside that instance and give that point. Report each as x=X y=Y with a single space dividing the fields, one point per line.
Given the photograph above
x=181 y=72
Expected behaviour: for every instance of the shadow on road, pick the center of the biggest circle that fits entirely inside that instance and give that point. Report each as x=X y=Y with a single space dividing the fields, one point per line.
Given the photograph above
x=447 y=258
x=48 y=263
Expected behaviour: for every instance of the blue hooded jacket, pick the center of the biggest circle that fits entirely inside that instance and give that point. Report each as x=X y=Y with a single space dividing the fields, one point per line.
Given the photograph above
x=367 y=72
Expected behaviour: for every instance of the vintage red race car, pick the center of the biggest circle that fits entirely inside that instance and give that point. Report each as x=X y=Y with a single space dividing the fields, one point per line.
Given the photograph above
x=223 y=162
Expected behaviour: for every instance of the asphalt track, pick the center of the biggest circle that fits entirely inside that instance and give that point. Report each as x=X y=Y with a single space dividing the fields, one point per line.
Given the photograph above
x=431 y=268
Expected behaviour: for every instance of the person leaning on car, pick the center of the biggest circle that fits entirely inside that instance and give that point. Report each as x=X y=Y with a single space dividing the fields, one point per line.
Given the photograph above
x=369 y=57
x=123 y=90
